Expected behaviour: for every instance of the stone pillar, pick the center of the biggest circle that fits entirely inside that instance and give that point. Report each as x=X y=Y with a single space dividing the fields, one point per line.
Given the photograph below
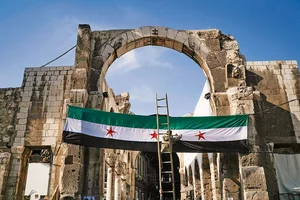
x=17 y=175
x=182 y=175
x=120 y=169
x=102 y=173
x=82 y=56
x=123 y=187
x=111 y=158
x=190 y=182
x=132 y=185
x=182 y=183
x=92 y=171
x=214 y=177
x=229 y=175
x=197 y=187
x=72 y=171
x=117 y=191
x=109 y=183
x=252 y=174
x=205 y=175
x=253 y=177
x=4 y=169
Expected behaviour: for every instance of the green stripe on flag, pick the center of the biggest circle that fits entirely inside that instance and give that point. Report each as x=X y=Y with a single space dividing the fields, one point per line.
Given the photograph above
x=149 y=122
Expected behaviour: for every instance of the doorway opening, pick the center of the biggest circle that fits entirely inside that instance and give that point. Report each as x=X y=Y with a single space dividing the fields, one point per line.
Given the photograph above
x=147 y=176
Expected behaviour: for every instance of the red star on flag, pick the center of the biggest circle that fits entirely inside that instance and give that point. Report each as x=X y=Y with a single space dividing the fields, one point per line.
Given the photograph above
x=200 y=135
x=110 y=132
x=154 y=135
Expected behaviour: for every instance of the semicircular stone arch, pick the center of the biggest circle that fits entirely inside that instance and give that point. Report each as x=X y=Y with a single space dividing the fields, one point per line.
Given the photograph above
x=216 y=53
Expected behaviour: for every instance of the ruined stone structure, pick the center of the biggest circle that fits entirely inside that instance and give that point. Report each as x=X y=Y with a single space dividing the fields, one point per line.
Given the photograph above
x=32 y=117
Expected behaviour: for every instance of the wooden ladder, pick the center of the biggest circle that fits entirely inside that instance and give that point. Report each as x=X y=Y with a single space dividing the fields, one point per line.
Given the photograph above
x=164 y=145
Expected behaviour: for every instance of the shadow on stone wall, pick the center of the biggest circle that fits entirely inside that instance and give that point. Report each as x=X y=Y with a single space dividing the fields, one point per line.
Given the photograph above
x=273 y=124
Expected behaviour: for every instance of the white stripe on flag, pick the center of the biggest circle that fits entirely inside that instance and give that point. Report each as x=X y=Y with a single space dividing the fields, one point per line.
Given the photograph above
x=143 y=135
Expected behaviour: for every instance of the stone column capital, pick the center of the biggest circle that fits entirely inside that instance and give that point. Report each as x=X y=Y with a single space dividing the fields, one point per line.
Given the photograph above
x=110 y=158
x=120 y=167
x=4 y=158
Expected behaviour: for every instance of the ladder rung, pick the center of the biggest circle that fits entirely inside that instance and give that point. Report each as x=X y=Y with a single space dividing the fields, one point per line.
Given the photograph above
x=166 y=182
x=171 y=191
x=161 y=99
x=162 y=133
x=166 y=162
x=166 y=172
x=165 y=123
x=161 y=106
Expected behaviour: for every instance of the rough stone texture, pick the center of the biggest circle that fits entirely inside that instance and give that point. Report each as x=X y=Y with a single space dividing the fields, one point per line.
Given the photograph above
x=9 y=105
x=72 y=173
x=254 y=178
x=122 y=101
x=257 y=195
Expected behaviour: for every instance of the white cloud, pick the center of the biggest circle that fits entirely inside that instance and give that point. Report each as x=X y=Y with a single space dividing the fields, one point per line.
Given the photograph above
x=126 y=63
x=142 y=93
x=141 y=58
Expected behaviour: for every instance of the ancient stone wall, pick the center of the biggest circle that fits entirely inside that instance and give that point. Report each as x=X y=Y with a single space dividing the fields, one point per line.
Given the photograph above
x=9 y=106
x=275 y=124
x=32 y=118
x=278 y=83
x=39 y=120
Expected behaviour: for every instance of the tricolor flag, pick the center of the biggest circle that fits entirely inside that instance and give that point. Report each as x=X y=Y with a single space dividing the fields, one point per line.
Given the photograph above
x=100 y=129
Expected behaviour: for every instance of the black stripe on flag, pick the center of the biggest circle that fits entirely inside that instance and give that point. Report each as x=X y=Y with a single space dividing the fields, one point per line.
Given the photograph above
x=179 y=146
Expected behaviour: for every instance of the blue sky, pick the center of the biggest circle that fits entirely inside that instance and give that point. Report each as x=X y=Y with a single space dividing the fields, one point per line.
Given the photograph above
x=34 y=32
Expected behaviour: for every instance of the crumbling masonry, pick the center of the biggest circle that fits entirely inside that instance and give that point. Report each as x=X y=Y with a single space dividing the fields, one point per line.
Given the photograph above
x=32 y=117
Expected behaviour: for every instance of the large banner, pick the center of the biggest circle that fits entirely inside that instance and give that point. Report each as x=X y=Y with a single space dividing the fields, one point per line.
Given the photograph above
x=100 y=129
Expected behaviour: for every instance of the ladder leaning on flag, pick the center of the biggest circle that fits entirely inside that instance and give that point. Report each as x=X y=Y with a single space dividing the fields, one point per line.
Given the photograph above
x=164 y=145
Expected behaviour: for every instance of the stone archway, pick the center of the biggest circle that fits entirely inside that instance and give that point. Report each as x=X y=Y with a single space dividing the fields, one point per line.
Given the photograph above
x=210 y=49
x=218 y=55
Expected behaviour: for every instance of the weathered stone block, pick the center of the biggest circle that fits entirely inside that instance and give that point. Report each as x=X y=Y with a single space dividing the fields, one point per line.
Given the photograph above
x=252 y=159
x=254 y=178
x=256 y=195
x=230 y=189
